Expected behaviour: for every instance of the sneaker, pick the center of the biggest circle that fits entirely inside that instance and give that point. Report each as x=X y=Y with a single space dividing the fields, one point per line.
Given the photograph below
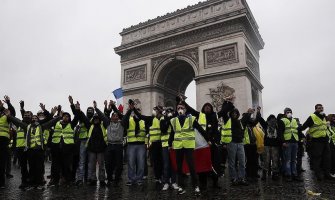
x=234 y=182
x=181 y=191
x=243 y=182
x=158 y=181
x=52 y=183
x=129 y=183
x=145 y=178
x=175 y=186
x=139 y=183
x=165 y=187
x=197 y=191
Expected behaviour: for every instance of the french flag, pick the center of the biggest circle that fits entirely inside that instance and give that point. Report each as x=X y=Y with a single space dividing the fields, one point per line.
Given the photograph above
x=118 y=94
x=201 y=155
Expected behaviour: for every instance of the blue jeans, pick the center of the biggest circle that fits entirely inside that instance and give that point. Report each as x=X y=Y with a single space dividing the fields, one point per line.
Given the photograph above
x=136 y=161
x=168 y=172
x=236 y=152
x=82 y=161
x=290 y=159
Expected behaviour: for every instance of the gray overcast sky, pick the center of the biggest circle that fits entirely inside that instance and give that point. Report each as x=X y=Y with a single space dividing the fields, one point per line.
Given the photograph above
x=50 y=49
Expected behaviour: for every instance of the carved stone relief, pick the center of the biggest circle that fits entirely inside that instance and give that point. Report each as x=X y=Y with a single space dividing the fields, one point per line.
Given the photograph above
x=219 y=94
x=252 y=62
x=135 y=74
x=190 y=53
x=221 y=56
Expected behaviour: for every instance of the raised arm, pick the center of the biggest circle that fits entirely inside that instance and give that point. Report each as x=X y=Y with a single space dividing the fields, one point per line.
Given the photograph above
x=105 y=119
x=227 y=106
x=10 y=106
x=191 y=110
x=17 y=122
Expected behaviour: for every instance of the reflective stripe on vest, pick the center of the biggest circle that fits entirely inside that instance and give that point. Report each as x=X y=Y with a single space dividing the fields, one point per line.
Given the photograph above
x=140 y=137
x=35 y=138
x=20 y=138
x=246 y=139
x=165 y=138
x=291 y=129
x=319 y=128
x=4 y=127
x=184 y=136
x=155 y=130
x=67 y=134
x=46 y=134
x=104 y=133
x=226 y=134
x=83 y=132
x=202 y=120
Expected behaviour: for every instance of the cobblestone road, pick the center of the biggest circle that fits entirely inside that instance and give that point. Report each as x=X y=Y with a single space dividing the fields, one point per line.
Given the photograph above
x=260 y=190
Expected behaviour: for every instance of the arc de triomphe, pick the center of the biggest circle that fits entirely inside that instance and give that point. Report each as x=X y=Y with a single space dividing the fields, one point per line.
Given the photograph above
x=216 y=43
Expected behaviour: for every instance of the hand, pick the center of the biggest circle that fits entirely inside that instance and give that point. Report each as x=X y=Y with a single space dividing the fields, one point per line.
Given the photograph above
x=22 y=105
x=259 y=109
x=105 y=103
x=209 y=143
x=42 y=106
x=250 y=110
x=7 y=99
x=70 y=99
x=59 y=108
x=7 y=112
x=53 y=111
x=94 y=104
x=77 y=105
x=60 y=113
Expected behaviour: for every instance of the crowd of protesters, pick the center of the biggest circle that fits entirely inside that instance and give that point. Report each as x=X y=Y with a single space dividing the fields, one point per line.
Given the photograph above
x=90 y=148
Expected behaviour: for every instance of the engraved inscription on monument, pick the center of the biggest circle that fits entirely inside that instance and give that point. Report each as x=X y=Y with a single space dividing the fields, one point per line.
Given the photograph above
x=135 y=74
x=221 y=56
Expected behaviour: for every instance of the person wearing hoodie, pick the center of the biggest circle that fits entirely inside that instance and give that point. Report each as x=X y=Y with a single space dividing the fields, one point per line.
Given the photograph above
x=62 y=147
x=4 y=137
x=114 y=150
x=183 y=135
x=96 y=145
x=232 y=135
x=35 y=141
x=82 y=139
x=208 y=120
x=319 y=144
x=288 y=134
x=271 y=146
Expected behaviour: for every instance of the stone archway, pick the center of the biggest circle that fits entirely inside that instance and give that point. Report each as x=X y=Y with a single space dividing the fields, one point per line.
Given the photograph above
x=215 y=42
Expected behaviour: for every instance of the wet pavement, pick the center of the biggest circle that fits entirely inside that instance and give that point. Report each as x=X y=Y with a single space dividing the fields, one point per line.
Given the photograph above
x=260 y=190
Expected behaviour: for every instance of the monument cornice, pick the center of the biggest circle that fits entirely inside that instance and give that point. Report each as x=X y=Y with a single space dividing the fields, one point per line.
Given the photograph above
x=191 y=37
x=185 y=19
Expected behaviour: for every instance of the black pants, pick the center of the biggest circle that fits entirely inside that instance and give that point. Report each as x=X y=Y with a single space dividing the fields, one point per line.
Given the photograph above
x=9 y=161
x=251 y=156
x=3 y=163
x=223 y=158
x=62 y=159
x=36 y=166
x=188 y=154
x=320 y=158
x=156 y=153
x=23 y=161
x=300 y=154
x=332 y=150
x=114 y=161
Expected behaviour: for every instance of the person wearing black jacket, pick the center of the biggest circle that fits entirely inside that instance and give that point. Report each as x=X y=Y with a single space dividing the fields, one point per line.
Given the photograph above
x=235 y=147
x=212 y=130
x=35 y=151
x=62 y=147
x=271 y=146
x=183 y=147
x=4 y=137
x=319 y=145
x=96 y=146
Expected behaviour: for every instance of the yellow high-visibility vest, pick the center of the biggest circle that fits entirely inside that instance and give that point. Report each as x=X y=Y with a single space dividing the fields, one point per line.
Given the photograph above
x=319 y=128
x=140 y=137
x=291 y=129
x=184 y=136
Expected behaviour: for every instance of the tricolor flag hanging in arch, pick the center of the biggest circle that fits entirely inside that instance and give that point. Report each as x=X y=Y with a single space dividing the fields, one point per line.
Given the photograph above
x=118 y=94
